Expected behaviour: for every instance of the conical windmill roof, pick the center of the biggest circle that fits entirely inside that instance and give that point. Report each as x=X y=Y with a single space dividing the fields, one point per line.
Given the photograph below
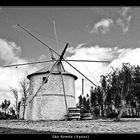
x=48 y=68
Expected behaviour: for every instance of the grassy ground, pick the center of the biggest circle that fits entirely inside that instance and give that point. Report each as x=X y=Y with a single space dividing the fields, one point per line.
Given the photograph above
x=126 y=125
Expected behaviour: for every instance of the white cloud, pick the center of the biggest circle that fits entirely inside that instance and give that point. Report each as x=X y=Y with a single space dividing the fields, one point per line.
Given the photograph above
x=10 y=76
x=93 y=71
x=127 y=55
x=102 y=26
x=9 y=51
x=125 y=18
x=124 y=11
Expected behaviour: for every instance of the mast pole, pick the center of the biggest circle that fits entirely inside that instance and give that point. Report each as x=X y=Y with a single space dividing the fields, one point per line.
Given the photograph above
x=82 y=86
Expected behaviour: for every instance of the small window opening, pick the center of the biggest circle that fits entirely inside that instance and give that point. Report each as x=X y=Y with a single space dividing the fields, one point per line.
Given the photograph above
x=45 y=80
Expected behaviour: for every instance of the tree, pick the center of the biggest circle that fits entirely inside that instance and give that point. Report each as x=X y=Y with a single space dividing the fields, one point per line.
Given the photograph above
x=103 y=90
x=84 y=104
x=80 y=101
x=15 y=93
x=12 y=111
x=135 y=90
x=136 y=83
x=5 y=105
x=87 y=104
x=120 y=81
x=96 y=100
x=24 y=90
x=93 y=98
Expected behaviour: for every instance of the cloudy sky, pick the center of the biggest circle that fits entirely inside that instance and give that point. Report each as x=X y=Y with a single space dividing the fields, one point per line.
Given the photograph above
x=94 y=33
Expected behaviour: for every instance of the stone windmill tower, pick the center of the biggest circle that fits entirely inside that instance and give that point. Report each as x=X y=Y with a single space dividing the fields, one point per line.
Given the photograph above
x=50 y=103
x=52 y=89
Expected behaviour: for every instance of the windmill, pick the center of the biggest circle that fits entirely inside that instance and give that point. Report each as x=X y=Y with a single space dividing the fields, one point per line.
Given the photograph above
x=38 y=105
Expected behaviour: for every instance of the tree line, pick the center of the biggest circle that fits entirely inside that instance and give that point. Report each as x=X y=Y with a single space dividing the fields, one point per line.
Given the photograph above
x=118 y=94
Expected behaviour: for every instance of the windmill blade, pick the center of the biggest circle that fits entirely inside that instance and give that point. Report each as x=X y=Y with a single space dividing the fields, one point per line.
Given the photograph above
x=63 y=89
x=57 y=45
x=80 y=73
x=30 y=63
x=55 y=64
x=88 y=61
x=36 y=38
x=38 y=62
x=61 y=56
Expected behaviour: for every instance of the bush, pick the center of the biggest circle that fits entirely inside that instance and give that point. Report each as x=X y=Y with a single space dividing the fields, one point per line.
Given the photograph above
x=5 y=116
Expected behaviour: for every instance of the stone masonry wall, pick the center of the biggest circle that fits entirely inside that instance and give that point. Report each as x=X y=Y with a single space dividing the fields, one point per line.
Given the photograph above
x=49 y=103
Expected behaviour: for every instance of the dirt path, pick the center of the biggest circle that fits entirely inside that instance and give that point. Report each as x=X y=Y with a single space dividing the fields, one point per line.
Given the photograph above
x=89 y=126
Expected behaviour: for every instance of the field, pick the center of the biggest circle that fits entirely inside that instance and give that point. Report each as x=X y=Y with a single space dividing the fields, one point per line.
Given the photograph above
x=104 y=126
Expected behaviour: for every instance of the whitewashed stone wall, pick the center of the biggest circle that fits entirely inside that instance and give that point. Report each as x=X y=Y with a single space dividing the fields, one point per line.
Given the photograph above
x=49 y=103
